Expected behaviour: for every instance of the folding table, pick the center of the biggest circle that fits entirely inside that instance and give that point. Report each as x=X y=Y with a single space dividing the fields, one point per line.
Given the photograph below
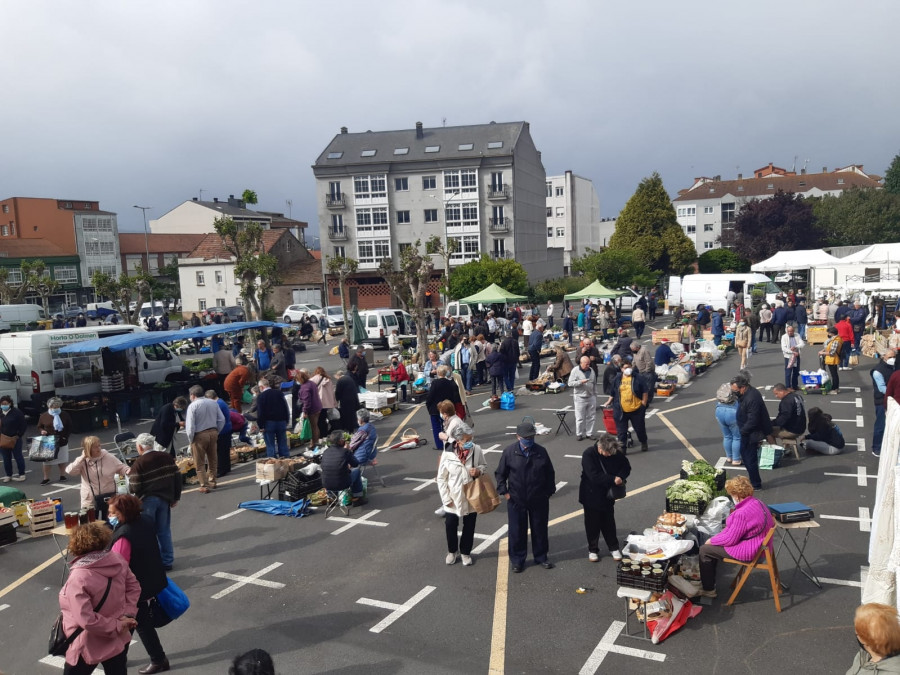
x=797 y=550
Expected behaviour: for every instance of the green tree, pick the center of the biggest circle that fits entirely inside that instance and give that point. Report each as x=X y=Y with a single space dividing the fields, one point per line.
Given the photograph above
x=435 y=245
x=342 y=268
x=124 y=291
x=37 y=278
x=722 y=260
x=409 y=284
x=478 y=274
x=857 y=216
x=257 y=270
x=892 y=177
x=614 y=268
x=11 y=293
x=249 y=197
x=783 y=223
x=556 y=289
x=648 y=227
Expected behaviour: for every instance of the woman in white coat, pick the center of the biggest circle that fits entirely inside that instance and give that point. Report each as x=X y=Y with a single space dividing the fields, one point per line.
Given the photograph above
x=460 y=463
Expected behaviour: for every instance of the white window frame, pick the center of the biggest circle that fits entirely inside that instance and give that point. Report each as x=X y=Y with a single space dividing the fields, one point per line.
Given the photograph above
x=220 y=276
x=708 y=227
x=220 y=302
x=403 y=217
x=708 y=245
x=463 y=181
x=560 y=191
x=371 y=251
x=431 y=215
x=469 y=248
x=372 y=221
x=560 y=211
x=201 y=303
x=429 y=182
x=707 y=210
x=200 y=278
x=690 y=229
x=370 y=186
x=66 y=274
x=14 y=276
x=461 y=216
x=401 y=184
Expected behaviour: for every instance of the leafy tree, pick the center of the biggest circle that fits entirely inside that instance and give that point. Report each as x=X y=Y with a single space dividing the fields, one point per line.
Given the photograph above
x=555 y=289
x=256 y=269
x=10 y=293
x=35 y=280
x=648 y=227
x=722 y=260
x=783 y=223
x=614 y=268
x=892 y=177
x=409 y=284
x=123 y=291
x=249 y=197
x=478 y=274
x=166 y=285
x=342 y=268
x=860 y=216
x=435 y=245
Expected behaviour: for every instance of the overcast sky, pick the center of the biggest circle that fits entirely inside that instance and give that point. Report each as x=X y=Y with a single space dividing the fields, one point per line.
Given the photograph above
x=149 y=102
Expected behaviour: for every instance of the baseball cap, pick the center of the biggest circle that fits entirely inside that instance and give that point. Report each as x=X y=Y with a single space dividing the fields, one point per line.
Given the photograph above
x=526 y=429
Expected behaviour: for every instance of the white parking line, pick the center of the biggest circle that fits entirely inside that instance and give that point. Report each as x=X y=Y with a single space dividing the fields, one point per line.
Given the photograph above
x=398 y=610
x=607 y=646
x=864 y=519
x=228 y=515
x=489 y=539
x=352 y=522
x=243 y=580
x=860 y=475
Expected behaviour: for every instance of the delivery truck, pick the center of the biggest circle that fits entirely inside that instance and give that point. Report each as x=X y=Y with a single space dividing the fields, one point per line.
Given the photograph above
x=20 y=317
x=44 y=372
x=711 y=289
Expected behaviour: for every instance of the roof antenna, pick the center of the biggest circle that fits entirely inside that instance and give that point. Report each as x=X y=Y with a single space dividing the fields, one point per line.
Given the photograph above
x=794 y=165
x=443 y=121
x=201 y=195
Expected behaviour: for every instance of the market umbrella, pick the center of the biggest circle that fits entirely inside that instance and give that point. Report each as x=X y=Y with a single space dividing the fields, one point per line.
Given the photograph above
x=594 y=290
x=359 y=335
x=492 y=294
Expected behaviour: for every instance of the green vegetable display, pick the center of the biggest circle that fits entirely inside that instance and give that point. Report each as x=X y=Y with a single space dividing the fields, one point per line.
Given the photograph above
x=701 y=471
x=690 y=491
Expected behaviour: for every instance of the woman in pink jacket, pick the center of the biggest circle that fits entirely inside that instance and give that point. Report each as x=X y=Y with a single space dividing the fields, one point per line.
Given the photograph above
x=744 y=532
x=98 y=470
x=103 y=635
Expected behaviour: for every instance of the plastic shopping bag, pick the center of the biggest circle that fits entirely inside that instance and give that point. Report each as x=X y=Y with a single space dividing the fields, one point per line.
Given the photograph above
x=507 y=401
x=305 y=430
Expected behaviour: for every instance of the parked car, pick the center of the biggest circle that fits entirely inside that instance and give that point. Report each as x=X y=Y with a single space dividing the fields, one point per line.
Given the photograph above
x=293 y=313
x=335 y=316
x=233 y=312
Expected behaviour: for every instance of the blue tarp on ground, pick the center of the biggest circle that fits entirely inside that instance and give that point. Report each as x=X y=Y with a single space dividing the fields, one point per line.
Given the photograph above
x=118 y=343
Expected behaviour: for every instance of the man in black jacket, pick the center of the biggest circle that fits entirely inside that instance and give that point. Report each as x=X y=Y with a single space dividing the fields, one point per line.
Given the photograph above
x=509 y=348
x=623 y=344
x=346 y=394
x=358 y=367
x=336 y=463
x=155 y=479
x=272 y=416
x=791 y=420
x=755 y=425
x=525 y=475
x=168 y=420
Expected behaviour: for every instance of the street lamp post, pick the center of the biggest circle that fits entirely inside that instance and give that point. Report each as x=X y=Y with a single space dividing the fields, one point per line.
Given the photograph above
x=144 y=210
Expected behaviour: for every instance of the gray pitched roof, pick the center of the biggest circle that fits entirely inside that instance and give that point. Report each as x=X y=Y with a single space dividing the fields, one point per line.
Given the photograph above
x=448 y=139
x=226 y=210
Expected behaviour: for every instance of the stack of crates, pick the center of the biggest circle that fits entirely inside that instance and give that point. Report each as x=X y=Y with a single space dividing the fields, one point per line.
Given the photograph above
x=7 y=526
x=42 y=518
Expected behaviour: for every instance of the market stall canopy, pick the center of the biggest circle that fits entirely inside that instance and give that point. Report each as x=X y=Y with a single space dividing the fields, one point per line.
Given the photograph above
x=119 y=343
x=492 y=294
x=595 y=290
x=785 y=261
x=358 y=334
x=874 y=254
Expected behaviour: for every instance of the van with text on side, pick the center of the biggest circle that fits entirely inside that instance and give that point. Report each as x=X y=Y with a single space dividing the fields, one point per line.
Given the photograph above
x=43 y=372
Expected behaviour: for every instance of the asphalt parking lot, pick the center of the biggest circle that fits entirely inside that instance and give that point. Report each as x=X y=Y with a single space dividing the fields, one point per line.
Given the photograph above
x=372 y=591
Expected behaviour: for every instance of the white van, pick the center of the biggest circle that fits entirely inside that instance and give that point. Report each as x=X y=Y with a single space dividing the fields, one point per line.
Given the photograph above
x=44 y=372
x=460 y=310
x=17 y=317
x=379 y=323
x=8 y=379
x=710 y=289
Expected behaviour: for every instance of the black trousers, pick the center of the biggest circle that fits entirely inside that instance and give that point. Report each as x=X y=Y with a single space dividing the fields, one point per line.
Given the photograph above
x=710 y=555
x=765 y=332
x=637 y=421
x=223 y=453
x=496 y=385
x=463 y=543
x=535 y=364
x=597 y=522
x=520 y=518
x=835 y=378
x=481 y=373
x=116 y=665
x=639 y=328
x=750 y=458
x=148 y=635
x=777 y=331
x=324 y=423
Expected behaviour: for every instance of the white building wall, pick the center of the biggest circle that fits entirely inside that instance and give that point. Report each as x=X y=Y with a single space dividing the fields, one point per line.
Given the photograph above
x=212 y=292
x=193 y=218
x=573 y=216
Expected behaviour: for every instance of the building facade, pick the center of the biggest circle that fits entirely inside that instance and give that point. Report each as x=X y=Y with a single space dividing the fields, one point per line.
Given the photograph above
x=573 y=216
x=197 y=217
x=708 y=209
x=61 y=266
x=163 y=249
x=481 y=186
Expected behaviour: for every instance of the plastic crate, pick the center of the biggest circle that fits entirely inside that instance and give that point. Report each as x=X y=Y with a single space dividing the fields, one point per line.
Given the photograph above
x=657 y=585
x=813 y=380
x=720 y=480
x=291 y=489
x=678 y=506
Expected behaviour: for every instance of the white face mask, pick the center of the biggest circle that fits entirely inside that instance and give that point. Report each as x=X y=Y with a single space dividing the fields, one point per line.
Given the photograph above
x=890 y=361
x=627 y=372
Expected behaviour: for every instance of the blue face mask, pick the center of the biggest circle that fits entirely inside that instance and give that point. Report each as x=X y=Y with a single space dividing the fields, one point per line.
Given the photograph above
x=113 y=521
x=4 y=407
x=55 y=411
x=468 y=445
x=526 y=442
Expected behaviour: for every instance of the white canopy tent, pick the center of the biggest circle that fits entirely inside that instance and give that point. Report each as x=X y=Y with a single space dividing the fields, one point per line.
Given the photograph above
x=878 y=263
x=876 y=254
x=786 y=261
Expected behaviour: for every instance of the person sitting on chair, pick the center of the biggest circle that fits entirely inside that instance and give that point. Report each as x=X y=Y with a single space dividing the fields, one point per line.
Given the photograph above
x=365 y=449
x=791 y=420
x=745 y=530
x=337 y=462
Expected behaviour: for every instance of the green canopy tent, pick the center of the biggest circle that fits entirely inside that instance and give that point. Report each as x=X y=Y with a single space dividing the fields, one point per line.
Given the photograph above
x=491 y=295
x=594 y=290
x=358 y=334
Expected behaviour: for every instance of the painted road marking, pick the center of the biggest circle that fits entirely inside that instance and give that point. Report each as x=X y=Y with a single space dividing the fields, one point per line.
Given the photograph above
x=396 y=610
x=228 y=515
x=861 y=584
x=669 y=399
x=607 y=646
x=651 y=413
x=425 y=482
x=859 y=403
x=679 y=435
x=561 y=484
x=2 y=607
x=62 y=487
x=60 y=661
x=352 y=522
x=243 y=581
x=493 y=448
x=488 y=539
x=860 y=475
x=687 y=384
x=568 y=407
x=858 y=419
x=864 y=519
x=573 y=456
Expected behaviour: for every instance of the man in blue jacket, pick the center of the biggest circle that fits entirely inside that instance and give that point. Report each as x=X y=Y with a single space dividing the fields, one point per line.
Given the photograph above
x=858 y=316
x=535 y=343
x=718 y=326
x=779 y=319
x=364 y=447
x=526 y=476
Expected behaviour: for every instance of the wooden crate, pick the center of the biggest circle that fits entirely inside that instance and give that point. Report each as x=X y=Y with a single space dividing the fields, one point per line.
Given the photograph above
x=670 y=334
x=816 y=335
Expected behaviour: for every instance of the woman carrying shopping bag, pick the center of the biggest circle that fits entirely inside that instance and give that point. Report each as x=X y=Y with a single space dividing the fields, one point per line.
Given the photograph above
x=461 y=462
x=603 y=473
x=55 y=422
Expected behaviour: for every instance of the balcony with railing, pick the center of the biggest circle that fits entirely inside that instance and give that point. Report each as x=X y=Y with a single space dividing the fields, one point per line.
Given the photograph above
x=336 y=201
x=338 y=233
x=498 y=192
x=499 y=225
x=501 y=255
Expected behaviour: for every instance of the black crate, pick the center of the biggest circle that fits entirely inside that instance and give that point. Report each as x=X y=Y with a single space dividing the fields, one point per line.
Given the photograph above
x=657 y=585
x=720 y=478
x=297 y=486
x=678 y=506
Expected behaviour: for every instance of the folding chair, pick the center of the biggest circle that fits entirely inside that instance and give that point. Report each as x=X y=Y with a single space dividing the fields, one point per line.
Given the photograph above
x=126 y=445
x=770 y=566
x=335 y=501
x=363 y=467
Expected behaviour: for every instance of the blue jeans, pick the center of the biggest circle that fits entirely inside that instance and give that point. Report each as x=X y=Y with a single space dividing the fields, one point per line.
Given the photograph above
x=510 y=376
x=878 y=430
x=753 y=342
x=158 y=510
x=276 y=432
x=15 y=453
x=466 y=374
x=242 y=435
x=801 y=331
x=717 y=339
x=356 y=486
x=731 y=433
x=792 y=375
x=845 y=354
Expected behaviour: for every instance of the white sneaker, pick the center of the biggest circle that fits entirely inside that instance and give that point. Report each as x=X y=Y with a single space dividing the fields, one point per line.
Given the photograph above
x=616 y=555
x=439 y=511
x=466 y=560
x=18 y=477
x=593 y=557
x=5 y=479
x=451 y=558
x=708 y=594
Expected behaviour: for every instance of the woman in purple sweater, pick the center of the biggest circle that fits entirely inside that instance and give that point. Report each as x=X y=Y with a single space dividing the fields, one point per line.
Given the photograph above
x=744 y=532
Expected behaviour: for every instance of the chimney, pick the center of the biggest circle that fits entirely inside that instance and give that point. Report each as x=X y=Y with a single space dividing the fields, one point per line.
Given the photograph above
x=216 y=200
x=740 y=176
x=419 y=132
x=824 y=169
x=194 y=199
x=343 y=130
x=718 y=178
x=803 y=171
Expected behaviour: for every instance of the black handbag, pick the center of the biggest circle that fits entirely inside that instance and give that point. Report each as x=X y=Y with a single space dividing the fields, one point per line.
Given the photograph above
x=157 y=615
x=616 y=491
x=101 y=505
x=59 y=643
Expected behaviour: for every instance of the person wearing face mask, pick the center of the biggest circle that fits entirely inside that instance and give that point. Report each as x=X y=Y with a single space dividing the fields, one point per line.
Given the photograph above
x=399 y=376
x=461 y=461
x=877 y=629
x=169 y=420
x=442 y=389
x=629 y=402
x=12 y=425
x=155 y=479
x=56 y=422
x=98 y=470
x=742 y=340
x=526 y=476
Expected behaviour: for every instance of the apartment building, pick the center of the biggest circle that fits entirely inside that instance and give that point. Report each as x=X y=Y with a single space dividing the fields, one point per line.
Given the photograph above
x=707 y=210
x=573 y=216
x=194 y=216
x=163 y=248
x=480 y=185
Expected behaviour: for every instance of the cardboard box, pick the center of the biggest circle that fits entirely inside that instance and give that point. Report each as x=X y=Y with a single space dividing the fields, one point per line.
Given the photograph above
x=271 y=470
